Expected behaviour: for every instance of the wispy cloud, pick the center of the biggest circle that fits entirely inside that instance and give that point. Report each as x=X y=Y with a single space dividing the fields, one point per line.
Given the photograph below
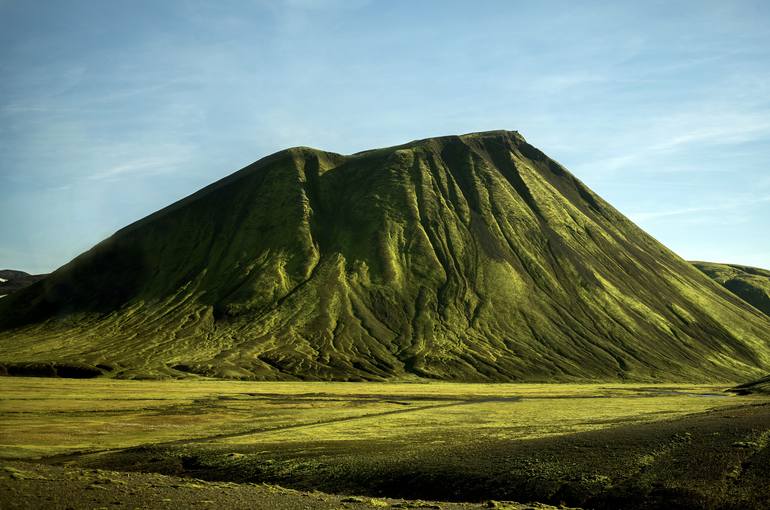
x=731 y=129
x=678 y=133
x=562 y=82
x=27 y=108
x=324 y=4
x=143 y=166
x=617 y=92
x=732 y=204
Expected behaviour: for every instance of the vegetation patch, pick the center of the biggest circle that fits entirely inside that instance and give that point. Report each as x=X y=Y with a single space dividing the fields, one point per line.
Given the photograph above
x=751 y=284
x=472 y=258
x=593 y=446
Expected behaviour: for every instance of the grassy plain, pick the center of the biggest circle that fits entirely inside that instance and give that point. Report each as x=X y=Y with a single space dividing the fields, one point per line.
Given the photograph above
x=592 y=445
x=42 y=416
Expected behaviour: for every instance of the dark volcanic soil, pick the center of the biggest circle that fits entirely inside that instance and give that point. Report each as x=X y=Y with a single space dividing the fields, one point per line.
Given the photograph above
x=16 y=280
x=28 y=486
x=718 y=459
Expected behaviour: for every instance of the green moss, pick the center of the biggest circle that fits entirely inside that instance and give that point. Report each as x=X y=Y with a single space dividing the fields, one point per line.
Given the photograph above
x=748 y=283
x=472 y=258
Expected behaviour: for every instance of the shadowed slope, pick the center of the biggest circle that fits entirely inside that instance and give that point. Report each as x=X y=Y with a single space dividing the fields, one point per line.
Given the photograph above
x=760 y=386
x=748 y=283
x=468 y=257
x=12 y=280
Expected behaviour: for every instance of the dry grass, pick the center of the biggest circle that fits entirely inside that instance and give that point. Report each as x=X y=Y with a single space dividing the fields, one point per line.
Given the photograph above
x=40 y=417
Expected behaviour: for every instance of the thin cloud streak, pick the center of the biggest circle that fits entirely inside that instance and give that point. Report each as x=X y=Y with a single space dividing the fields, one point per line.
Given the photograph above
x=144 y=167
x=733 y=204
x=182 y=93
x=676 y=136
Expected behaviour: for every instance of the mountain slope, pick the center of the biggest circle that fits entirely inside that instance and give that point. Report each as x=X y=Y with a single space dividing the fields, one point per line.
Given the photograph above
x=748 y=283
x=12 y=280
x=470 y=257
x=760 y=386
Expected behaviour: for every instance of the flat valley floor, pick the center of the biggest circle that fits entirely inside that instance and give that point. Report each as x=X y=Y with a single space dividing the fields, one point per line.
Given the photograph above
x=67 y=443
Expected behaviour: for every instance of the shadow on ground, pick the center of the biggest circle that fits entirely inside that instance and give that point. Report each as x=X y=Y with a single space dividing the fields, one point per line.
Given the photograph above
x=718 y=459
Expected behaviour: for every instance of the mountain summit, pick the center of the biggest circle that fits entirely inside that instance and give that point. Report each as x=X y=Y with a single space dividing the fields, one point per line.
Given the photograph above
x=471 y=257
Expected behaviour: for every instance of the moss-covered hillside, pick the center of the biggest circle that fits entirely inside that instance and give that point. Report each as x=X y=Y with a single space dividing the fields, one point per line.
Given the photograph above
x=749 y=283
x=760 y=386
x=471 y=257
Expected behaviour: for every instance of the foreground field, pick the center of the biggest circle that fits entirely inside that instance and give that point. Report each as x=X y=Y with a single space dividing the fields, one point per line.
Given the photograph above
x=601 y=446
x=25 y=485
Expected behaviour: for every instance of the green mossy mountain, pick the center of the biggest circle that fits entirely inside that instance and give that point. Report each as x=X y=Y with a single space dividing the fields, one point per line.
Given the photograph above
x=751 y=284
x=758 y=387
x=471 y=257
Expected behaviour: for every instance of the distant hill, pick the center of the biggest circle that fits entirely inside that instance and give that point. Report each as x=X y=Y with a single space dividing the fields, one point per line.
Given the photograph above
x=12 y=280
x=749 y=283
x=471 y=257
x=760 y=386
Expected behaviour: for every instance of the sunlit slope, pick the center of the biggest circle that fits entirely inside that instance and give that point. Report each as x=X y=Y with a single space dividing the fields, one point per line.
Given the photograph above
x=469 y=257
x=749 y=283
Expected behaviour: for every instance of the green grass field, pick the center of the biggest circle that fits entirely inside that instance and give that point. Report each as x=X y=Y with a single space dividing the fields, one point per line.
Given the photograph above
x=40 y=416
x=589 y=445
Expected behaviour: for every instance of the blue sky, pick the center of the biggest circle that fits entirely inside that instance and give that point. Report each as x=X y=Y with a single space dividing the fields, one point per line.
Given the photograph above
x=110 y=110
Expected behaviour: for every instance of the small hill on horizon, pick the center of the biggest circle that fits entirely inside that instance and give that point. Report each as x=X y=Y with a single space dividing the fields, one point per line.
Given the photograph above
x=751 y=284
x=12 y=280
x=760 y=386
x=470 y=258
